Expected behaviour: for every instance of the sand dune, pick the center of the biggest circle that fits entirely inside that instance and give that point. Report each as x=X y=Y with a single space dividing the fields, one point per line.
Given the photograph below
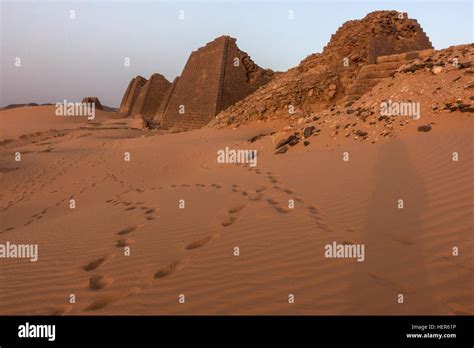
x=190 y=251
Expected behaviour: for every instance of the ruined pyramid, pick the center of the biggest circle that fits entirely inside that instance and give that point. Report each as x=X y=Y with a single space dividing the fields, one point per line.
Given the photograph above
x=93 y=100
x=215 y=77
x=150 y=96
x=131 y=95
x=143 y=97
x=322 y=80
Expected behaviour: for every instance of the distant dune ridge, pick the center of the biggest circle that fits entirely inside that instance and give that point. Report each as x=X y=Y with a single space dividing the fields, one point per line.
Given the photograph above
x=372 y=158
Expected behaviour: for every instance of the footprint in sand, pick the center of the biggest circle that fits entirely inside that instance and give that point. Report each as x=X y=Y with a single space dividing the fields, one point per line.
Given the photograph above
x=315 y=215
x=127 y=230
x=261 y=189
x=98 y=282
x=237 y=208
x=272 y=201
x=173 y=267
x=228 y=221
x=8 y=229
x=282 y=210
x=404 y=241
x=312 y=210
x=106 y=300
x=323 y=227
x=272 y=179
x=37 y=216
x=256 y=197
x=198 y=243
x=150 y=211
x=277 y=206
x=61 y=310
x=96 y=263
x=124 y=242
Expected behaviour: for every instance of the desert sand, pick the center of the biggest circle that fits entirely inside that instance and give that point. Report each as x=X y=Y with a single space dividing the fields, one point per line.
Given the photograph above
x=190 y=251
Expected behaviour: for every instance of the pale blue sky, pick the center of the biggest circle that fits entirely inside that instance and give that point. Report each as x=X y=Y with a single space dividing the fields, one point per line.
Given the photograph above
x=69 y=59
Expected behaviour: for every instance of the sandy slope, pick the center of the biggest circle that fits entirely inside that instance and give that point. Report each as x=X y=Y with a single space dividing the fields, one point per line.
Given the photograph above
x=190 y=251
x=29 y=120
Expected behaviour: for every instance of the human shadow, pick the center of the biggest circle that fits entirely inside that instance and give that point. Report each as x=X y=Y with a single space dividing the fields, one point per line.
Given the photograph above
x=394 y=257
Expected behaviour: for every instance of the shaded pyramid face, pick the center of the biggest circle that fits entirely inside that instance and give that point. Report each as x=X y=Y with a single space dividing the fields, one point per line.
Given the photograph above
x=131 y=95
x=150 y=96
x=215 y=77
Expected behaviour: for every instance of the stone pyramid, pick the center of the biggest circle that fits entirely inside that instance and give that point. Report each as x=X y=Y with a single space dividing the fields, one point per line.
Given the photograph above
x=150 y=96
x=379 y=33
x=131 y=95
x=216 y=76
x=93 y=100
